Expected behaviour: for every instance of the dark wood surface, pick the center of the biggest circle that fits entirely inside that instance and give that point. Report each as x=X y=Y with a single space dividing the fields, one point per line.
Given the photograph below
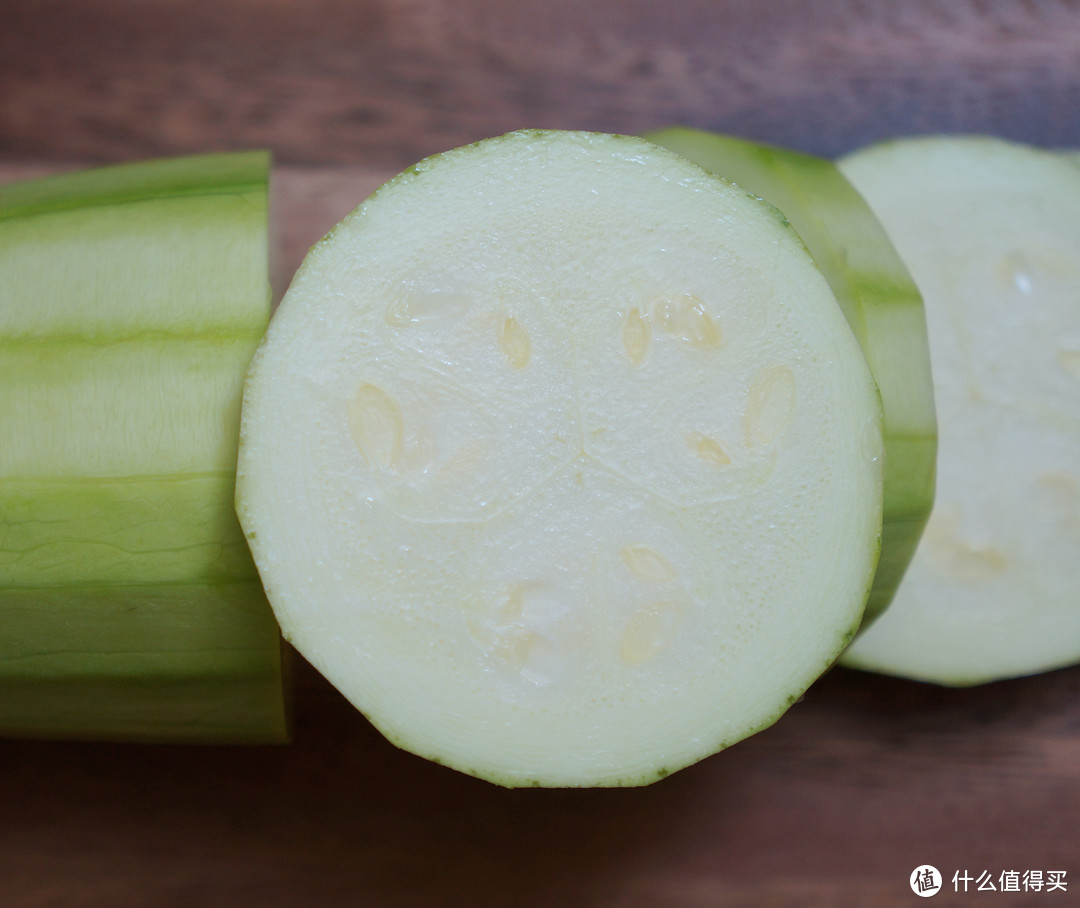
x=384 y=82
x=836 y=804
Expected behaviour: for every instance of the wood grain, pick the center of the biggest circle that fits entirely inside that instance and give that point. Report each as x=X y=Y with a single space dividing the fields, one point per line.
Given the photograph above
x=385 y=82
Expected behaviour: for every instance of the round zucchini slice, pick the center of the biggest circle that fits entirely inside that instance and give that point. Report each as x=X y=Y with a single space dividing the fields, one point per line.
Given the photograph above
x=560 y=461
x=991 y=233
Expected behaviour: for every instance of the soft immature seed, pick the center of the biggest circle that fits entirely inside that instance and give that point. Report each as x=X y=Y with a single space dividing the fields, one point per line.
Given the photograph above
x=1059 y=498
x=1014 y=270
x=649 y=632
x=533 y=656
x=635 y=336
x=419 y=307
x=514 y=342
x=771 y=406
x=687 y=318
x=709 y=450
x=1069 y=360
x=646 y=563
x=376 y=426
x=956 y=556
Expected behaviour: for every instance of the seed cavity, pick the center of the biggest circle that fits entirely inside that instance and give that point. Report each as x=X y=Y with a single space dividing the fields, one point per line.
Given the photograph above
x=709 y=450
x=635 y=336
x=1058 y=495
x=512 y=648
x=522 y=631
x=514 y=342
x=647 y=563
x=1026 y=271
x=420 y=307
x=1069 y=360
x=968 y=562
x=533 y=656
x=686 y=317
x=376 y=426
x=771 y=406
x=649 y=632
x=960 y=558
x=1014 y=270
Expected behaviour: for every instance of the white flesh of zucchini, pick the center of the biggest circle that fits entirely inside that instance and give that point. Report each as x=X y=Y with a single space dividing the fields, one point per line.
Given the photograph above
x=991 y=233
x=560 y=461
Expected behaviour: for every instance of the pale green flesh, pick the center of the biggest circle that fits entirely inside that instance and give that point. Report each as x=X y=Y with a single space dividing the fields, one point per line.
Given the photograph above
x=560 y=462
x=131 y=300
x=879 y=301
x=990 y=231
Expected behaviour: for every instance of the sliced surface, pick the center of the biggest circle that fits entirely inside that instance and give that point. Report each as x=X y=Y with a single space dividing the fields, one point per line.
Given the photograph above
x=560 y=462
x=882 y=306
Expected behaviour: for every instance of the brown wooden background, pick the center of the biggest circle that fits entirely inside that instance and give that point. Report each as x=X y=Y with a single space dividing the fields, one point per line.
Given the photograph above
x=836 y=804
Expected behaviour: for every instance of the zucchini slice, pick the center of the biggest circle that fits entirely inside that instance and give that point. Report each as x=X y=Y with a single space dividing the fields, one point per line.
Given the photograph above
x=560 y=461
x=991 y=232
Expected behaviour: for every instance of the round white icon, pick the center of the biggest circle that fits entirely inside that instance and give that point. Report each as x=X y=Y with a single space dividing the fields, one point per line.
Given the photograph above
x=925 y=881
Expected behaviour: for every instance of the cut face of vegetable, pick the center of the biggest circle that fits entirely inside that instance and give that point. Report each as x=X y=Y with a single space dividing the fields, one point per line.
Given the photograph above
x=882 y=306
x=561 y=463
x=131 y=301
x=991 y=232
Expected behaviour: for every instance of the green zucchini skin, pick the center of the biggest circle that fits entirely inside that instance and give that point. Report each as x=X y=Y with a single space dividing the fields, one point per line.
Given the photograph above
x=881 y=303
x=131 y=301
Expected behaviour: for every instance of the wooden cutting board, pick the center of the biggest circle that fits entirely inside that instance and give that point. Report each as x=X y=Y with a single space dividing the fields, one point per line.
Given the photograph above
x=861 y=782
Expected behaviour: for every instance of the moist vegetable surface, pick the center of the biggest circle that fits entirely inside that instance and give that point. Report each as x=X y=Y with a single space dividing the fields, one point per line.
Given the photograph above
x=990 y=231
x=561 y=462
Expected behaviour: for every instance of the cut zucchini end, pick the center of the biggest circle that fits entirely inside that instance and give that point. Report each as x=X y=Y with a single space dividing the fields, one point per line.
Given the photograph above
x=989 y=229
x=560 y=462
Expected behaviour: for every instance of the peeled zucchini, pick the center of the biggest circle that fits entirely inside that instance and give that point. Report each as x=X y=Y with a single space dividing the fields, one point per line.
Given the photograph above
x=131 y=300
x=879 y=300
x=991 y=233
x=560 y=461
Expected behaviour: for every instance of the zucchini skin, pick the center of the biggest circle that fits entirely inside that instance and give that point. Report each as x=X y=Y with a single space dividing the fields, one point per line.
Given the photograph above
x=131 y=300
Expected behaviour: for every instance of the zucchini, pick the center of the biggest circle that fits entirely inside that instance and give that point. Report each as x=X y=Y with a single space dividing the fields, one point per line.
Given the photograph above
x=990 y=231
x=131 y=301
x=560 y=461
